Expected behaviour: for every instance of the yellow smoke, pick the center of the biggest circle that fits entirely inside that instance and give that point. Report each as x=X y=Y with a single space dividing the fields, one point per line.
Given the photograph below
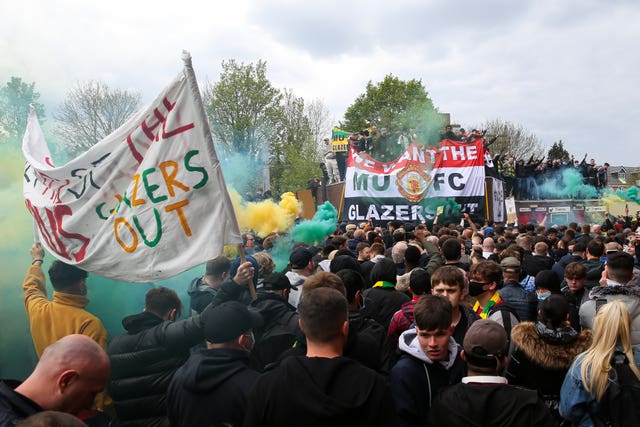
x=611 y=199
x=266 y=217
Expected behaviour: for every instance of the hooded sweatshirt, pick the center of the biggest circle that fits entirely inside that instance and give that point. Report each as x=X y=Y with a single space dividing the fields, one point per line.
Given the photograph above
x=211 y=388
x=318 y=391
x=416 y=379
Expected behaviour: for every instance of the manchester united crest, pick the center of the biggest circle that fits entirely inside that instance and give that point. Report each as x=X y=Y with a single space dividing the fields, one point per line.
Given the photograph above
x=413 y=183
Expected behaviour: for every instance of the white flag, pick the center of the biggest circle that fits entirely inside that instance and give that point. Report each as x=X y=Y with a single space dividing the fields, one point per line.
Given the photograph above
x=146 y=203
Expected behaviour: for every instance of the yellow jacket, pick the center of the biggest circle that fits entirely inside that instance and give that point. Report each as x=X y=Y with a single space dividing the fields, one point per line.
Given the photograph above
x=65 y=315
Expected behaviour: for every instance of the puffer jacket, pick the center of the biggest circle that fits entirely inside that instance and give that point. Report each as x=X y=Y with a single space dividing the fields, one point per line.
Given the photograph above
x=143 y=362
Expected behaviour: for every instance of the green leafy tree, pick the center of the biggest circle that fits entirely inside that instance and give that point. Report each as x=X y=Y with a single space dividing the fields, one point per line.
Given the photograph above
x=90 y=112
x=243 y=107
x=557 y=152
x=15 y=98
x=294 y=155
x=392 y=103
x=513 y=139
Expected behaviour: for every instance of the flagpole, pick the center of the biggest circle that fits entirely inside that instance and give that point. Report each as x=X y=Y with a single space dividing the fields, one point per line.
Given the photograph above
x=195 y=91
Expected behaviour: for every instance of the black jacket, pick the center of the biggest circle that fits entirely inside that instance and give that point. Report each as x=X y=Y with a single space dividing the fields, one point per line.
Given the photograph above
x=143 y=362
x=489 y=405
x=211 y=388
x=279 y=331
x=536 y=263
x=381 y=303
x=317 y=391
x=14 y=406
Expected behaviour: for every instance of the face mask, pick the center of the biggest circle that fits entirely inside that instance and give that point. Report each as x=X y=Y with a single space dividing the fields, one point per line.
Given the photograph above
x=543 y=296
x=475 y=288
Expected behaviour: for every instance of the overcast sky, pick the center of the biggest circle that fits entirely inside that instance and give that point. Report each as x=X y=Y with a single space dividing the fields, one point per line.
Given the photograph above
x=562 y=69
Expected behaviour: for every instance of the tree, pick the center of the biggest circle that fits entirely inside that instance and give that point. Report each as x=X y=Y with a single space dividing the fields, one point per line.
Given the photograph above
x=244 y=108
x=294 y=155
x=557 y=152
x=320 y=122
x=90 y=112
x=513 y=139
x=15 y=98
x=392 y=104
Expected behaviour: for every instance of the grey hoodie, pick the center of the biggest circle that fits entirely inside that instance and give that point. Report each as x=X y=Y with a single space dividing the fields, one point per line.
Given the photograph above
x=409 y=344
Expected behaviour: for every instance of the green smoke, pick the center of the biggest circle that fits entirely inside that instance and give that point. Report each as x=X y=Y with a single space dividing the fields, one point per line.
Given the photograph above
x=322 y=224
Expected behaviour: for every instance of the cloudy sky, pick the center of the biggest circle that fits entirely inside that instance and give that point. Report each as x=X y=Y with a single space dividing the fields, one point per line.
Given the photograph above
x=562 y=69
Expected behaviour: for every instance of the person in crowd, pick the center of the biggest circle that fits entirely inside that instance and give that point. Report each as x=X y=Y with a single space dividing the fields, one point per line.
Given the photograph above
x=575 y=275
x=265 y=266
x=376 y=253
x=484 y=398
x=279 y=330
x=65 y=315
x=452 y=252
x=595 y=267
x=450 y=282
x=484 y=279
x=156 y=344
x=358 y=237
x=323 y=387
x=525 y=303
x=202 y=289
x=50 y=320
x=539 y=260
x=588 y=379
x=331 y=162
x=419 y=285
x=430 y=360
x=366 y=336
x=547 y=284
x=602 y=176
x=68 y=377
x=363 y=250
x=412 y=257
x=212 y=387
x=249 y=242
x=577 y=254
x=382 y=300
x=488 y=247
x=544 y=350
x=616 y=285
x=302 y=266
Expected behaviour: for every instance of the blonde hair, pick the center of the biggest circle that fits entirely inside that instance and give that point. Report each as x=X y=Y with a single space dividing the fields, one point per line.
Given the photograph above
x=612 y=327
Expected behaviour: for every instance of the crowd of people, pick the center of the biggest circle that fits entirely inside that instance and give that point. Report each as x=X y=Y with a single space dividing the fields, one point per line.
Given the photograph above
x=523 y=179
x=398 y=326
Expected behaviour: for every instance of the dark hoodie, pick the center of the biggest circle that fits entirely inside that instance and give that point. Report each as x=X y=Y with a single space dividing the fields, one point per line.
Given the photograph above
x=211 y=388
x=317 y=391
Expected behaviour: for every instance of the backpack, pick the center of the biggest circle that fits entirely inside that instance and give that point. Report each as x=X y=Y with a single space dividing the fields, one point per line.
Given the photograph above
x=619 y=404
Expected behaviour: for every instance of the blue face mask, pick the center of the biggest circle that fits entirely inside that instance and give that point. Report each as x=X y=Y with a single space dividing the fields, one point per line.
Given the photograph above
x=543 y=296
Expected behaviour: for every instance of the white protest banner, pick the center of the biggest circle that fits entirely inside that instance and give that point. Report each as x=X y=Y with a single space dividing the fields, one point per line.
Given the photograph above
x=411 y=187
x=145 y=203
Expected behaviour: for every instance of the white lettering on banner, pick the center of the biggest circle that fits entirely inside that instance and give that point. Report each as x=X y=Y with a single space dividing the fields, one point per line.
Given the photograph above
x=134 y=200
x=388 y=213
x=463 y=152
x=399 y=212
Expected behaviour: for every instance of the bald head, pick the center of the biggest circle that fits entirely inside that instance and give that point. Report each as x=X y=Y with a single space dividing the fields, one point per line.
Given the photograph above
x=73 y=351
x=69 y=375
x=488 y=245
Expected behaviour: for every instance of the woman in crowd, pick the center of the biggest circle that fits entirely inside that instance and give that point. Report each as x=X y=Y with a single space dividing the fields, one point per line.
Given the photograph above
x=586 y=383
x=543 y=351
